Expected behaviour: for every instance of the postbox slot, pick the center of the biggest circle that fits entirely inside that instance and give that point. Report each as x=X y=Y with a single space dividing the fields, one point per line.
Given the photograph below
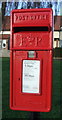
x=20 y=29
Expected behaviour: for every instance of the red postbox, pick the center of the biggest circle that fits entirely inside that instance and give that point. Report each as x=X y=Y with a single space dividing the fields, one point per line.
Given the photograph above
x=31 y=59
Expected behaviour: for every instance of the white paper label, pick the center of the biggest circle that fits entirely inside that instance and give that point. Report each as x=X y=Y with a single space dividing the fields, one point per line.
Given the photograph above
x=31 y=76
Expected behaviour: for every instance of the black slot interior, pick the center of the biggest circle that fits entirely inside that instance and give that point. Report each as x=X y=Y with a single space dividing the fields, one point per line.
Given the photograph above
x=21 y=29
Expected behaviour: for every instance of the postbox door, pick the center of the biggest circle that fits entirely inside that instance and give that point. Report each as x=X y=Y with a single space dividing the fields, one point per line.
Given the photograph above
x=31 y=92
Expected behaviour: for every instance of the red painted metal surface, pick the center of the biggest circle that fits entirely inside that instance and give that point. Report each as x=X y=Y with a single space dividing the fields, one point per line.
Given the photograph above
x=31 y=30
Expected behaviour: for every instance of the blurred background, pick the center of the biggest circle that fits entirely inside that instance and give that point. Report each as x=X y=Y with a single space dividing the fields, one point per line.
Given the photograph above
x=5 y=9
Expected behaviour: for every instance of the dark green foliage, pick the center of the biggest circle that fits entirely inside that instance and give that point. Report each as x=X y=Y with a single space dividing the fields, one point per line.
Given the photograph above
x=57 y=52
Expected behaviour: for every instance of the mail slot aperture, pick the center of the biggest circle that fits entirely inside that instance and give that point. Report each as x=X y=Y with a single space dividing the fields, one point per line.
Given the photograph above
x=21 y=29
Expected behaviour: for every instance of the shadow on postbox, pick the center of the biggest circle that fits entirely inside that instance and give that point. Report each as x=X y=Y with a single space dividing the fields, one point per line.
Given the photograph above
x=31 y=59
